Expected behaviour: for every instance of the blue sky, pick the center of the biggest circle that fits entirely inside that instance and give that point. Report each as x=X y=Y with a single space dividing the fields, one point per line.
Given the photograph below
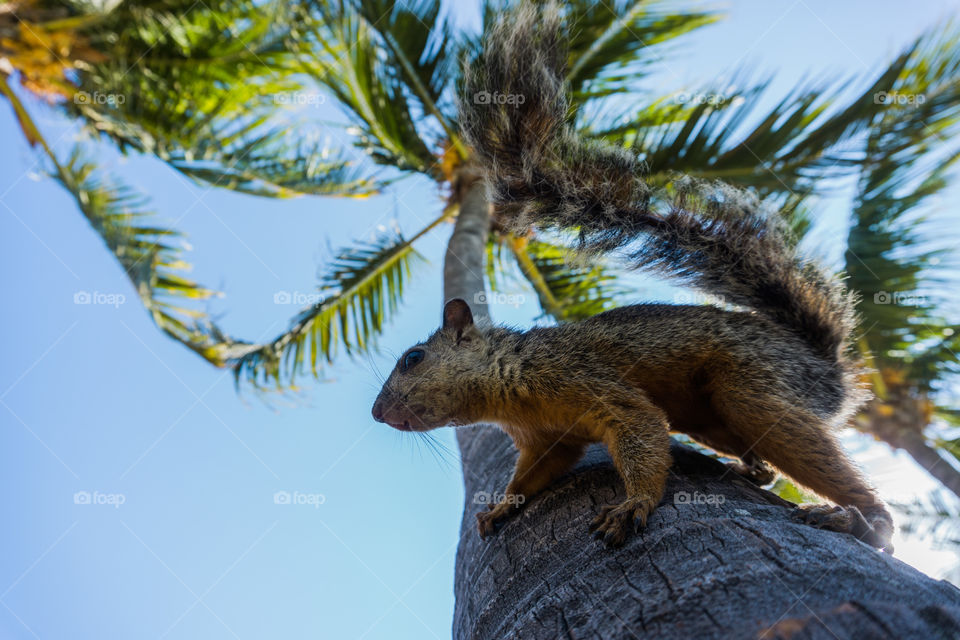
x=94 y=399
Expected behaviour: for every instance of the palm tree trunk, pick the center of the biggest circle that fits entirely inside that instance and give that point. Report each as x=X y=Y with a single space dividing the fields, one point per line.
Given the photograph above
x=732 y=565
x=463 y=268
x=925 y=455
x=898 y=416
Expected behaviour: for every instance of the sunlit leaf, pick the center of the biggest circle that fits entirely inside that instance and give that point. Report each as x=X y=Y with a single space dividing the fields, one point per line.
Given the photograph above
x=151 y=256
x=358 y=293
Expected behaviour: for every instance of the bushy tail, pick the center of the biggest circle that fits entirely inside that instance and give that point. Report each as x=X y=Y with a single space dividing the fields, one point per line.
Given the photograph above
x=514 y=114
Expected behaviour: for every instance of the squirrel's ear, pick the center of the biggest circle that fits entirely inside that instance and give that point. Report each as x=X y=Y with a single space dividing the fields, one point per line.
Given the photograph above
x=457 y=315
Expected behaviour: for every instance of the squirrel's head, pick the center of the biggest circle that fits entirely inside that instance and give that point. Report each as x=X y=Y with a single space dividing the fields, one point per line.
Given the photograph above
x=430 y=385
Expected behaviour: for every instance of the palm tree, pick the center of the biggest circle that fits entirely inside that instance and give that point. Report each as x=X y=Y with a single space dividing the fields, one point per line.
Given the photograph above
x=901 y=272
x=195 y=84
x=205 y=104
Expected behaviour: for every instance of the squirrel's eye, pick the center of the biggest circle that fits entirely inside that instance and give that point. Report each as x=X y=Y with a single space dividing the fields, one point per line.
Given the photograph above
x=411 y=359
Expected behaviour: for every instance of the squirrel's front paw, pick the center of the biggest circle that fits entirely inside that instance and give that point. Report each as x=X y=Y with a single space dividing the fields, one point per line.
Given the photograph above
x=617 y=521
x=487 y=520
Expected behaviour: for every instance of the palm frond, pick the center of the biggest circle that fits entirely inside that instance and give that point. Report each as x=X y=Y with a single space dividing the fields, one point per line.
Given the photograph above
x=795 y=211
x=933 y=519
x=715 y=133
x=350 y=63
x=610 y=42
x=896 y=258
x=627 y=126
x=420 y=44
x=568 y=289
x=358 y=294
x=27 y=126
x=152 y=258
x=166 y=81
x=172 y=76
x=151 y=255
x=269 y=164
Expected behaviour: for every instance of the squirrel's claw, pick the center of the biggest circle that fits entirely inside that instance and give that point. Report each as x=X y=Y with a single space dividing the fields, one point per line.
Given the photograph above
x=488 y=520
x=486 y=525
x=843 y=520
x=614 y=522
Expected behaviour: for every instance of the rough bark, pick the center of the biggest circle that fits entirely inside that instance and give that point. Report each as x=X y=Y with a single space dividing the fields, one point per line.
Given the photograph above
x=740 y=569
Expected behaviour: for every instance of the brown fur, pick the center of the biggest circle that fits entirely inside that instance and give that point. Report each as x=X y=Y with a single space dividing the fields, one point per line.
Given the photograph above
x=625 y=378
x=766 y=386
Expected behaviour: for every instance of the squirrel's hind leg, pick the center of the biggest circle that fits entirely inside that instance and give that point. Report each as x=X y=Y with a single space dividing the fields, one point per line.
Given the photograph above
x=636 y=434
x=821 y=465
x=803 y=446
x=727 y=443
x=875 y=527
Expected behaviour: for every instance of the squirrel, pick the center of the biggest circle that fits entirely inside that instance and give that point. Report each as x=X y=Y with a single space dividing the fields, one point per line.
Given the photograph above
x=768 y=384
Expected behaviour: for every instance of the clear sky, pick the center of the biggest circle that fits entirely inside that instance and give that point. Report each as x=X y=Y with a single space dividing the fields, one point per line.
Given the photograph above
x=94 y=399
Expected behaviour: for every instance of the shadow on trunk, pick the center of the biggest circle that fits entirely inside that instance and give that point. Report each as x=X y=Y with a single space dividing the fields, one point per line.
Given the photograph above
x=720 y=558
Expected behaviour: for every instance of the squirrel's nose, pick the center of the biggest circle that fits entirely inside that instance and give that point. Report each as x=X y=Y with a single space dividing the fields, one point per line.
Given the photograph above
x=377 y=411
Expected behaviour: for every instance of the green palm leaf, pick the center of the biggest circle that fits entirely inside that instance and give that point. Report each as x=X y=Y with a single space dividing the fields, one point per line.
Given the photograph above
x=567 y=288
x=800 y=141
x=151 y=256
x=166 y=81
x=895 y=258
x=420 y=44
x=268 y=164
x=608 y=41
x=174 y=74
x=902 y=262
x=358 y=293
x=349 y=63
